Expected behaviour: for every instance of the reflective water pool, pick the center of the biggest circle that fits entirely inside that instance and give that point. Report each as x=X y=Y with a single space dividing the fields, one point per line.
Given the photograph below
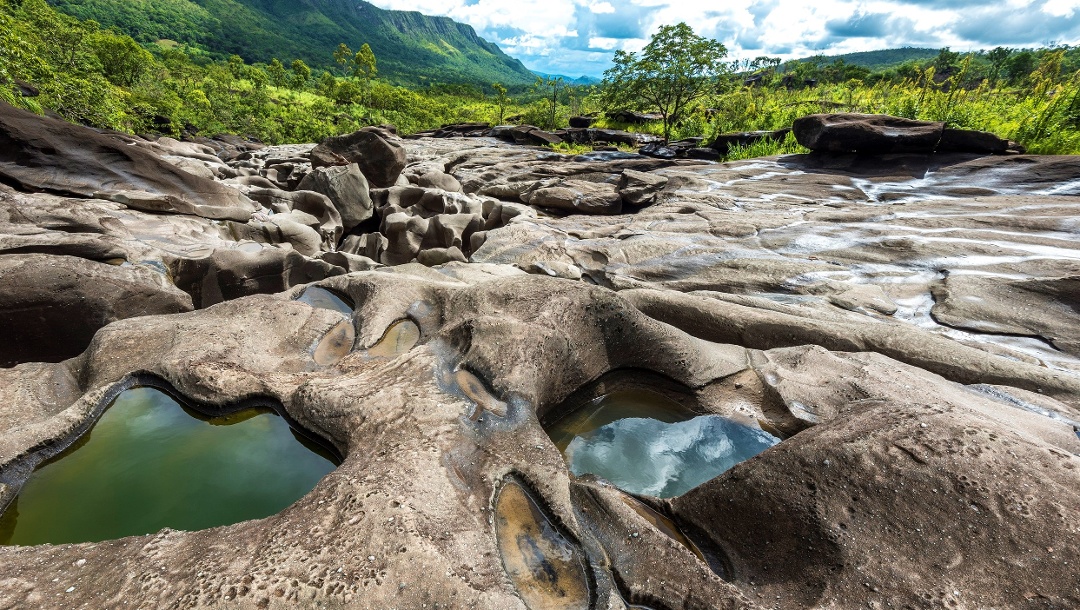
x=322 y=298
x=645 y=443
x=151 y=463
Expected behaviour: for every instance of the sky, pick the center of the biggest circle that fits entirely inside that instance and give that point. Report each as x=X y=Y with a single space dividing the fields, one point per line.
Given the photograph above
x=579 y=37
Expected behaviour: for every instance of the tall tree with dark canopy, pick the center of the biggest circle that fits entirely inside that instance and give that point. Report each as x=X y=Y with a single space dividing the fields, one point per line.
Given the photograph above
x=676 y=68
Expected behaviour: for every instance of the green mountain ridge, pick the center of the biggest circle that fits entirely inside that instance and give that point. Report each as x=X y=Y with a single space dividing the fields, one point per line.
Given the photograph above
x=411 y=48
x=882 y=59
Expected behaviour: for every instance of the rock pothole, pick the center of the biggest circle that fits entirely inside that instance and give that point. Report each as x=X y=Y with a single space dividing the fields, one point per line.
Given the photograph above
x=152 y=461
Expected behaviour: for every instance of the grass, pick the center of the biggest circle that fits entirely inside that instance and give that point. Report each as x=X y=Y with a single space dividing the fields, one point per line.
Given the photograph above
x=766 y=148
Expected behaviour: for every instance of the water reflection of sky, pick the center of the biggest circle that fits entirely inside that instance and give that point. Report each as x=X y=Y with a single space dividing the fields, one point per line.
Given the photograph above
x=650 y=457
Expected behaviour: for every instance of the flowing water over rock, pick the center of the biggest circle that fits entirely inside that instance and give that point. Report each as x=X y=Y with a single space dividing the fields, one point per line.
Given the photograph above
x=647 y=444
x=151 y=463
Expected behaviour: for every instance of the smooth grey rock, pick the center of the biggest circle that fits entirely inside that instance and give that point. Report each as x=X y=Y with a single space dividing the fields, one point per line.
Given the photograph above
x=346 y=187
x=378 y=153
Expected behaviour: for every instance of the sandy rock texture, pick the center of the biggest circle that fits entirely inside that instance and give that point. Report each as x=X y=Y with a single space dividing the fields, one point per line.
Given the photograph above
x=905 y=323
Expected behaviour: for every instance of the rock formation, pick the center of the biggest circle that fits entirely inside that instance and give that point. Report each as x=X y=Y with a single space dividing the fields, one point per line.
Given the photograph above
x=877 y=134
x=904 y=322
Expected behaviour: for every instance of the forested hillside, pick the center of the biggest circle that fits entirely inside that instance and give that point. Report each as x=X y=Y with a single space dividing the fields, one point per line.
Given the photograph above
x=53 y=62
x=413 y=49
x=885 y=58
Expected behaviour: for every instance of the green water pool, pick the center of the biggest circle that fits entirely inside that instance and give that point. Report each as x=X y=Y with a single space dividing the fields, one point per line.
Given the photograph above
x=151 y=463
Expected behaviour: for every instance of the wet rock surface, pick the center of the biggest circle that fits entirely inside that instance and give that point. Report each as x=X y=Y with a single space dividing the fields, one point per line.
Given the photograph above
x=904 y=323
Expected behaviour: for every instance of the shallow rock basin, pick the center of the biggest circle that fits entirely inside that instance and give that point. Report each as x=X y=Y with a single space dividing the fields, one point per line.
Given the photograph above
x=150 y=463
x=648 y=444
x=322 y=298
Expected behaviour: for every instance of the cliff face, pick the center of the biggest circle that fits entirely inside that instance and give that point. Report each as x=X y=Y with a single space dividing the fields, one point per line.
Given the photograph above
x=411 y=48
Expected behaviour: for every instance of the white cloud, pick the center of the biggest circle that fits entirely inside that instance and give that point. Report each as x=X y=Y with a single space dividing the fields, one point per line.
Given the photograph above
x=607 y=44
x=576 y=37
x=1061 y=8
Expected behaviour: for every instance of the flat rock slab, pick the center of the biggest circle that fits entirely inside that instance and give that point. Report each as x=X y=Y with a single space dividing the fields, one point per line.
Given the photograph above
x=1045 y=308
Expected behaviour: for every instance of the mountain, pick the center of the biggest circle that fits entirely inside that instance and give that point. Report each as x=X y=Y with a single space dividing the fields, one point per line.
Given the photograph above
x=411 y=48
x=580 y=81
x=881 y=60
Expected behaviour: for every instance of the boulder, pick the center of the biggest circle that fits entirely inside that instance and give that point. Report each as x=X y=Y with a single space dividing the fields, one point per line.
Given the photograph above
x=502 y=132
x=530 y=135
x=640 y=188
x=453 y=230
x=582 y=121
x=369 y=245
x=228 y=147
x=224 y=275
x=377 y=152
x=405 y=234
x=634 y=118
x=308 y=208
x=612 y=136
x=965 y=140
x=866 y=133
x=659 y=151
x=1044 y=308
x=350 y=262
x=463 y=130
x=576 y=196
x=703 y=154
x=347 y=189
x=45 y=154
x=439 y=180
x=440 y=256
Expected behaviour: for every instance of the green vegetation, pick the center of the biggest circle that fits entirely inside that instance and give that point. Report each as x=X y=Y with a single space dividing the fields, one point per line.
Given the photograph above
x=50 y=61
x=879 y=61
x=1032 y=97
x=676 y=69
x=1029 y=96
x=413 y=49
x=105 y=79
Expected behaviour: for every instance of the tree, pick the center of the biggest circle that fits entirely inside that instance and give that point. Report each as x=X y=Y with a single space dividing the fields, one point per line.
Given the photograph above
x=946 y=61
x=501 y=100
x=997 y=58
x=122 y=60
x=555 y=84
x=674 y=70
x=276 y=71
x=364 y=63
x=1020 y=65
x=343 y=55
x=301 y=73
x=236 y=66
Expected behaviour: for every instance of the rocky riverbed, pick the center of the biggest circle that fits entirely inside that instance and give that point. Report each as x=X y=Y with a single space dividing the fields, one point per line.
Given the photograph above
x=905 y=325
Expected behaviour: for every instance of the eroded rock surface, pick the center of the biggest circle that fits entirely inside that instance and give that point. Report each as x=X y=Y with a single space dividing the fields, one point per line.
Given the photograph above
x=45 y=154
x=906 y=323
